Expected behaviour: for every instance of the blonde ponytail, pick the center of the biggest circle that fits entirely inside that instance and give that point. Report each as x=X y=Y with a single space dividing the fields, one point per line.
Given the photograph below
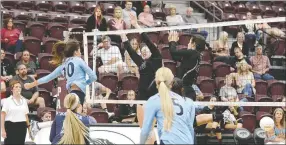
x=74 y=131
x=164 y=79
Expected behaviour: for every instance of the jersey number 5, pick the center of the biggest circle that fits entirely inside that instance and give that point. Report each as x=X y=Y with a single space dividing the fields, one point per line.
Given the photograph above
x=70 y=69
x=180 y=106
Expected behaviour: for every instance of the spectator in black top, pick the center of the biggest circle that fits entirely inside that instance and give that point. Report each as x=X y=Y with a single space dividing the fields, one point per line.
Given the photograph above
x=128 y=111
x=239 y=43
x=239 y=57
x=189 y=58
x=148 y=65
x=96 y=21
x=7 y=69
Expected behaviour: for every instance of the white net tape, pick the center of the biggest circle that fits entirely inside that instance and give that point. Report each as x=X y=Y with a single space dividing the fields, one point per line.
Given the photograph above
x=181 y=27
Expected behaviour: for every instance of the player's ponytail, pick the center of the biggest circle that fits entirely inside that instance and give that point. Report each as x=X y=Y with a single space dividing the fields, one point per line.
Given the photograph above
x=74 y=131
x=58 y=53
x=164 y=79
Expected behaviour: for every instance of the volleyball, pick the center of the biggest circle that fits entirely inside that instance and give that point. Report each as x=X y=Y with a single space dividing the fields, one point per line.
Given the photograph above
x=266 y=123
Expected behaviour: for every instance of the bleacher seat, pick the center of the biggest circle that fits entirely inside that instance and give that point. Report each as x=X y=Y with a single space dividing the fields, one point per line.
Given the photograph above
x=76 y=7
x=207 y=86
x=226 y=7
x=60 y=6
x=43 y=18
x=261 y=87
x=108 y=8
x=43 y=5
x=249 y=121
x=253 y=8
x=26 y=5
x=279 y=10
x=9 y=56
x=32 y=44
x=240 y=8
x=109 y=80
x=56 y=30
x=22 y=16
x=221 y=69
x=5 y=14
x=44 y=59
x=41 y=73
x=166 y=53
x=122 y=94
x=154 y=37
x=89 y=6
x=267 y=11
x=99 y=115
x=36 y=29
x=172 y=65
x=129 y=82
x=276 y=88
x=9 y=4
x=78 y=20
x=46 y=95
x=205 y=69
x=60 y=18
x=263 y=98
x=48 y=43
x=20 y=25
x=184 y=39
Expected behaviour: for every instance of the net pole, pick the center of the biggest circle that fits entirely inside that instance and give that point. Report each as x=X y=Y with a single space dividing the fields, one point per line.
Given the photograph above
x=94 y=53
x=85 y=52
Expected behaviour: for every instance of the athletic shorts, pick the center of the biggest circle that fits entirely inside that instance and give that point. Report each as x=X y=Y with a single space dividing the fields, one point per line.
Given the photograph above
x=80 y=94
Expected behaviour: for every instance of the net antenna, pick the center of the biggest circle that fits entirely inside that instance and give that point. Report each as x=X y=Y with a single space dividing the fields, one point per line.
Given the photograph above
x=96 y=33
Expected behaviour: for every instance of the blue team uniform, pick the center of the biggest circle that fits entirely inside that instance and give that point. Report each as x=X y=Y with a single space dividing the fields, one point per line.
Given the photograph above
x=181 y=132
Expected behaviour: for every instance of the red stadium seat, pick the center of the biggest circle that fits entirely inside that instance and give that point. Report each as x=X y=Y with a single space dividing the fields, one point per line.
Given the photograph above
x=172 y=65
x=56 y=30
x=279 y=10
x=166 y=53
x=46 y=95
x=219 y=82
x=9 y=4
x=109 y=80
x=241 y=16
x=184 y=39
x=43 y=18
x=154 y=37
x=77 y=20
x=280 y=48
x=60 y=18
x=261 y=87
x=44 y=59
x=276 y=88
x=206 y=56
x=253 y=8
x=226 y=7
x=20 y=25
x=99 y=115
x=267 y=11
x=89 y=6
x=164 y=37
x=22 y=16
x=60 y=6
x=277 y=98
x=78 y=37
x=240 y=8
x=18 y=56
x=9 y=56
x=43 y=5
x=48 y=43
x=122 y=94
x=249 y=121
x=261 y=114
x=205 y=69
x=76 y=7
x=129 y=82
x=207 y=86
x=26 y=5
x=108 y=8
x=262 y=98
x=5 y=14
x=37 y=30
x=221 y=69
x=32 y=44
x=48 y=86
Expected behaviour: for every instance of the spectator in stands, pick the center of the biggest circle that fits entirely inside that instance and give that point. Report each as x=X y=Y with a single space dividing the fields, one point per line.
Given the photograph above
x=146 y=18
x=250 y=29
x=117 y=22
x=128 y=111
x=214 y=126
x=11 y=37
x=3 y=91
x=277 y=134
x=239 y=57
x=133 y=68
x=14 y=116
x=7 y=70
x=32 y=95
x=240 y=43
x=174 y=19
x=96 y=21
x=70 y=127
x=30 y=64
x=190 y=19
x=226 y=90
x=233 y=121
x=220 y=47
x=260 y=65
x=99 y=91
x=111 y=58
x=127 y=12
x=85 y=109
x=244 y=80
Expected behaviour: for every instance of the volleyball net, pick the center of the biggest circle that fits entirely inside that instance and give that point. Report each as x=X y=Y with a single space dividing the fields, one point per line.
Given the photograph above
x=268 y=28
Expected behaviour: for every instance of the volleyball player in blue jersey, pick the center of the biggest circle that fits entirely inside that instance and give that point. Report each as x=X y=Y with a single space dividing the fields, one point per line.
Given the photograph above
x=71 y=65
x=174 y=114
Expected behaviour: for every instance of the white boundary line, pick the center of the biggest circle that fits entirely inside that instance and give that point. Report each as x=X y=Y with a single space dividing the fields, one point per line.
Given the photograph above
x=262 y=104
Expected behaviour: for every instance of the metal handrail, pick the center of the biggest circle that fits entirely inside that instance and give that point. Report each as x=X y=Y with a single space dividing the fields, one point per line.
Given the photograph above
x=206 y=10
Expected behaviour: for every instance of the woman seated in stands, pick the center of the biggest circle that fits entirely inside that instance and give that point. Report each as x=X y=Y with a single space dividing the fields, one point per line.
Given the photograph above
x=11 y=37
x=214 y=126
x=220 y=47
x=240 y=43
x=279 y=120
x=245 y=80
x=26 y=60
x=96 y=21
x=133 y=68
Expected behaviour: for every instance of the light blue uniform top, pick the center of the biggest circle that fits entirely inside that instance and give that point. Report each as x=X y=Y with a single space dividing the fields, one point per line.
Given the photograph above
x=181 y=132
x=74 y=69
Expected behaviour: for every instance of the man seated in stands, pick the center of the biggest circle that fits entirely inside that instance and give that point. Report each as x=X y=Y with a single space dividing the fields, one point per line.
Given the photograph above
x=190 y=19
x=238 y=58
x=127 y=12
x=146 y=18
x=32 y=95
x=174 y=19
x=260 y=65
x=111 y=58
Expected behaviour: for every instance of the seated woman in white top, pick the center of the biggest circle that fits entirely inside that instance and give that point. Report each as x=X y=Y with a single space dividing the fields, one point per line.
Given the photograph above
x=133 y=68
x=14 y=116
x=174 y=19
